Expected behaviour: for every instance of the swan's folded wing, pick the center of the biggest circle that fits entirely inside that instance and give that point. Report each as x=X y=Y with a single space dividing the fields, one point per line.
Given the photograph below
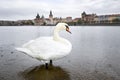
x=45 y=49
x=45 y=46
x=26 y=51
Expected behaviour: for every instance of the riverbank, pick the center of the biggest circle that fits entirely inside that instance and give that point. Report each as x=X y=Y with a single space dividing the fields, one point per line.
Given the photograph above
x=12 y=23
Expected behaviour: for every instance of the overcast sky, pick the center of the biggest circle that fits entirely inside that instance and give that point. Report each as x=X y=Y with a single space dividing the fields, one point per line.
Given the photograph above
x=27 y=9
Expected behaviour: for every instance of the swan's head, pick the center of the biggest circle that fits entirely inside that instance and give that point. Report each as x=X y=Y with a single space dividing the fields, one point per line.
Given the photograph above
x=62 y=26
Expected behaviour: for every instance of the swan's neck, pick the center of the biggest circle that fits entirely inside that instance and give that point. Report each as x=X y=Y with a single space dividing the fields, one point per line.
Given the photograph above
x=56 y=36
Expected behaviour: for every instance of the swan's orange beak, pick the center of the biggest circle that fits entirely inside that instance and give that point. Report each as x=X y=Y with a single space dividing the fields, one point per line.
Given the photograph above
x=67 y=29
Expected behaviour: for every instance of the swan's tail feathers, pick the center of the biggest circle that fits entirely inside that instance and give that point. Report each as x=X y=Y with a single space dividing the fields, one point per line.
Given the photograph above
x=26 y=51
x=28 y=43
x=23 y=50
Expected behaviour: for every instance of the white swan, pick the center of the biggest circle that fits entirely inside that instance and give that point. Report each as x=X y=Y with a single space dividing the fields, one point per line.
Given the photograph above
x=48 y=48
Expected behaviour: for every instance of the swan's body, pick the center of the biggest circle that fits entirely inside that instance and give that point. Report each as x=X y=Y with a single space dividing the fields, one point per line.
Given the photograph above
x=48 y=48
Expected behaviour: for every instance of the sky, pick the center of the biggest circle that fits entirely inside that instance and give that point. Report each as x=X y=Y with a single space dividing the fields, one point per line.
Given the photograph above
x=27 y=9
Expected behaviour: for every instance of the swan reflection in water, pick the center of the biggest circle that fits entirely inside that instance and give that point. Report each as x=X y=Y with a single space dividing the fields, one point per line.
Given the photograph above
x=41 y=73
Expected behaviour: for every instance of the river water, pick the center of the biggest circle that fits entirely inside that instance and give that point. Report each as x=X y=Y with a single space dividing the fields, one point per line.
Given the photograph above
x=95 y=54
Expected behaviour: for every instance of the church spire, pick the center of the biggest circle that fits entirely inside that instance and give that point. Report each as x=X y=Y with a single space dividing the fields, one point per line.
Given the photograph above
x=51 y=15
x=37 y=17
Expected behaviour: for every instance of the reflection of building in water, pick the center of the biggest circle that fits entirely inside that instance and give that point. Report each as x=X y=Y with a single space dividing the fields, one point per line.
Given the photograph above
x=41 y=73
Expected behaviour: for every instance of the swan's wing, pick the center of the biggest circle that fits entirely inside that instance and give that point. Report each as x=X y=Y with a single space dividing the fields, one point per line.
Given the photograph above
x=45 y=48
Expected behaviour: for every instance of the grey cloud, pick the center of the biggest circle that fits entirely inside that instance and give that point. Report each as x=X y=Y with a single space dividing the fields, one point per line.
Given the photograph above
x=25 y=9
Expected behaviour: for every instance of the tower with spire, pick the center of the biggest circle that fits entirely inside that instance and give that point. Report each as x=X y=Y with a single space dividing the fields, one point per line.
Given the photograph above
x=39 y=20
x=37 y=17
x=51 y=18
x=50 y=15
